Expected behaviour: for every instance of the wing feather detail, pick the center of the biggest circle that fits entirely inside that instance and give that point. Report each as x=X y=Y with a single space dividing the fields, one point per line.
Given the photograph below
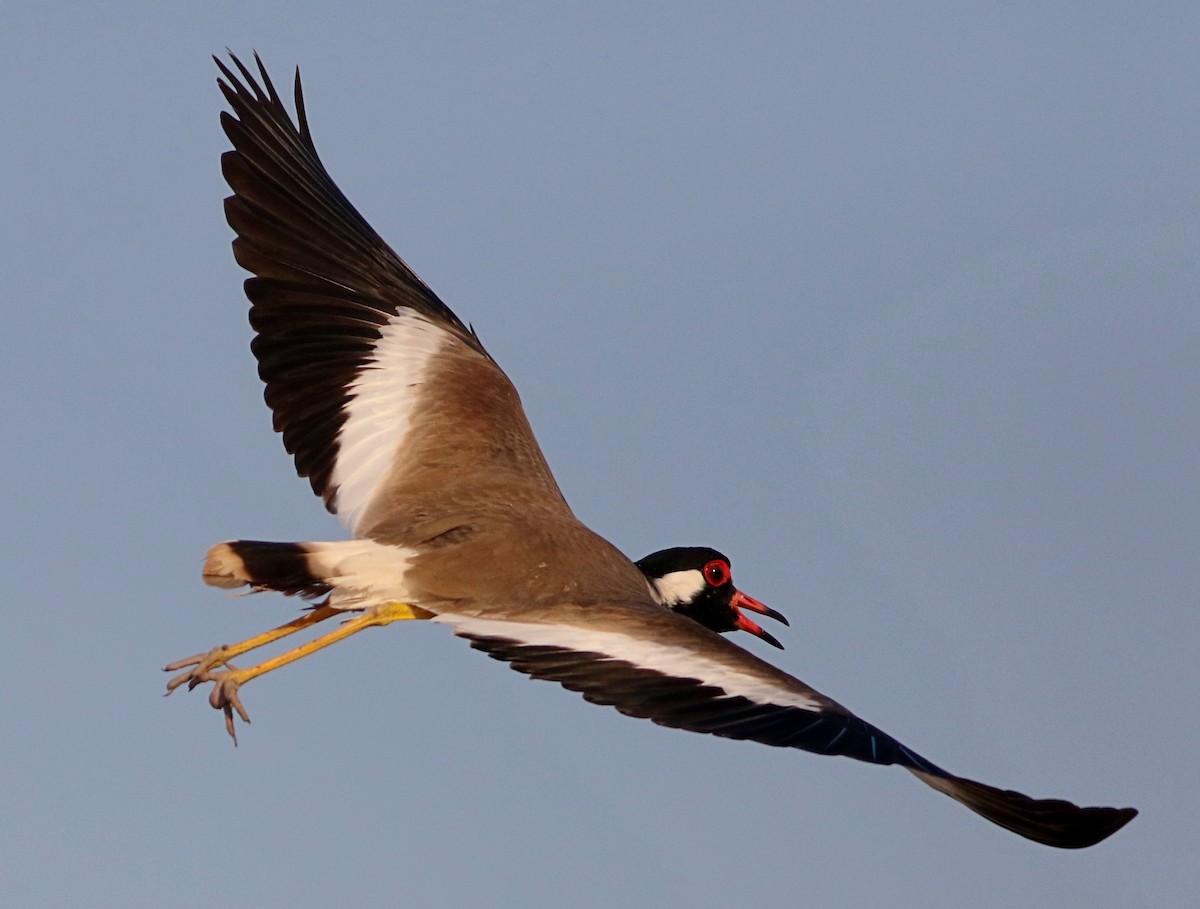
x=347 y=335
x=648 y=680
x=699 y=682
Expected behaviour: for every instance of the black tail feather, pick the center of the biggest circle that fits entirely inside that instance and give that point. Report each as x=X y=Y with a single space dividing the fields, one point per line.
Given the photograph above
x=264 y=566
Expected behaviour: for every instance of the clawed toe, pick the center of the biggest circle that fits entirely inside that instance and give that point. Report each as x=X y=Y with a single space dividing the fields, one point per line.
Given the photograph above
x=201 y=665
x=224 y=697
x=212 y=666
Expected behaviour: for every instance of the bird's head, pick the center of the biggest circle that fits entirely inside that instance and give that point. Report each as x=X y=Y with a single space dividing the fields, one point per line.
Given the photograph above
x=696 y=582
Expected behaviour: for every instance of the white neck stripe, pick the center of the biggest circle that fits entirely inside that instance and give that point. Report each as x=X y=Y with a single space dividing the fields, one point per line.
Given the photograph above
x=678 y=587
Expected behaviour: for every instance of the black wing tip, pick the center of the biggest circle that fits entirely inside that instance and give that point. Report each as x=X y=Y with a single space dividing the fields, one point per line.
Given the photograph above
x=1051 y=822
x=301 y=115
x=243 y=69
x=1088 y=826
x=248 y=85
x=1109 y=820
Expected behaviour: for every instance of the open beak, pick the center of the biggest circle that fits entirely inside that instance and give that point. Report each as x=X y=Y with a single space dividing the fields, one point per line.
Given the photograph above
x=741 y=601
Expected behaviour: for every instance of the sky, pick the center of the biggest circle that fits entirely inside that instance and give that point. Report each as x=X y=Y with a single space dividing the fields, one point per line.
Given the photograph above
x=895 y=305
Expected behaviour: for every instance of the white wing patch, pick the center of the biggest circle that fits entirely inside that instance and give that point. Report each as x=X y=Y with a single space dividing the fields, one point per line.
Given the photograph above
x=380 y=409
x=668 y=659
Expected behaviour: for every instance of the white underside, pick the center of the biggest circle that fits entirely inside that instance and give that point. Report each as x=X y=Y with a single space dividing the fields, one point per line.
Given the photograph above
x=671 y=660
x=363 y=573
x=380 y=410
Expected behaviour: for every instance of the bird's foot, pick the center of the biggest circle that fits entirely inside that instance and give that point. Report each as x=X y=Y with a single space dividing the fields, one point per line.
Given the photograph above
x=224 y=696
x=207 y=667
x=198 y=666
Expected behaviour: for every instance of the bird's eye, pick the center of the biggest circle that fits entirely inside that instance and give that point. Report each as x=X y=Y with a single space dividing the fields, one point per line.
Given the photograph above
x=716 y=573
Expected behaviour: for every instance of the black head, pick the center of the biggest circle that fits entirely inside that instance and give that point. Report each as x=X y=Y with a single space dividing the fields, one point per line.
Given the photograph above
x=696 y=581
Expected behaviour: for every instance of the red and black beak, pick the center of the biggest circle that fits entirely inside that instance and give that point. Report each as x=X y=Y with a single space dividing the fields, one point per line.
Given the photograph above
x=741 y=601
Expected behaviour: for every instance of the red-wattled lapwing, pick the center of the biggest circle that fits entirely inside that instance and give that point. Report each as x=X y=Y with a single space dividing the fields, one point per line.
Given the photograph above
x=695 y=581
x=414 y=437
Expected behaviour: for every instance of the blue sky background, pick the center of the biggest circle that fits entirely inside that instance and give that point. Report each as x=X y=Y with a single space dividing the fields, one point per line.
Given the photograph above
x=896 y=305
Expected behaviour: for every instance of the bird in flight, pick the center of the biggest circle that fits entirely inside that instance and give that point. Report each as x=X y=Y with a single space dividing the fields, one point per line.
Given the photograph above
x=416 y=439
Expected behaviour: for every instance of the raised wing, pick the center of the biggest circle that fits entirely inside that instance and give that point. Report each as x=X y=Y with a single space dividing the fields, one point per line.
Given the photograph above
x=678 y=674
x=355 y=350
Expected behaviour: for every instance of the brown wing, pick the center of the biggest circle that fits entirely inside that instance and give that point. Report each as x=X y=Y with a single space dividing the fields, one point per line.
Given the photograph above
x=354 y=348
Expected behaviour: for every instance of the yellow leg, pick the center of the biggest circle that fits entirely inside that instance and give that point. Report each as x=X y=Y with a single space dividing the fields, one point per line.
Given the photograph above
x=226 y=682
x=202 y=663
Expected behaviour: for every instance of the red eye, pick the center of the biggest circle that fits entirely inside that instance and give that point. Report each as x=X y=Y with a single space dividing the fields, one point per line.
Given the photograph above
x=716 y=573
